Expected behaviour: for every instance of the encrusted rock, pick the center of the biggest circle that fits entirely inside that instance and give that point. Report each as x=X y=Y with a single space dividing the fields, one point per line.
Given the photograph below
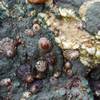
x=90 y=13
x=7 y=47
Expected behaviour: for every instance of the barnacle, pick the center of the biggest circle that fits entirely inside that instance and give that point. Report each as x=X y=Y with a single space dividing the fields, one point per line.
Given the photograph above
x=7 y=47
x=69 y=13
x=47 y=43
x=74 y=41
x=41 y=65
x=36 y=27
x=44 y=43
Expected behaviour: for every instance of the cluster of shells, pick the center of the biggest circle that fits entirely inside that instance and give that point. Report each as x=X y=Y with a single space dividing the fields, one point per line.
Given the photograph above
x=7 y=47
x=71 y=36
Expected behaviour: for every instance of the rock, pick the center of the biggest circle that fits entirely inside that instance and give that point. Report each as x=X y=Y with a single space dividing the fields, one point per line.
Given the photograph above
x=70 y=3
x=90 y=13
x=64 y=91
x=37 y=1
x=78 y=88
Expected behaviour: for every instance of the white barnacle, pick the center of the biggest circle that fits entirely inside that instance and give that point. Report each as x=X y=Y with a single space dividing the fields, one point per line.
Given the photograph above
x=41 y=65
x=98 y=35
x=26 y=94
x=97 y=54
x=66 y=12
x=91 y=50
x=5 y=81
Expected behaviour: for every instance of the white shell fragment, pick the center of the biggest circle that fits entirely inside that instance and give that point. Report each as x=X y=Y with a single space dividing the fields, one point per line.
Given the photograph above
x=26 y=95
x=5 y=81
x=66 y=12
x=98 y=53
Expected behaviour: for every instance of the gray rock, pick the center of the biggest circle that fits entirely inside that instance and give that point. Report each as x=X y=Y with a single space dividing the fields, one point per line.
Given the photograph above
x=70 y=3
x=90 y=11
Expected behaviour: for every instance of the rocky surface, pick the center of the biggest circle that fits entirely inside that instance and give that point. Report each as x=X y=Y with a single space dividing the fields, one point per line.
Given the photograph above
x=46 y=52
x=90 y=12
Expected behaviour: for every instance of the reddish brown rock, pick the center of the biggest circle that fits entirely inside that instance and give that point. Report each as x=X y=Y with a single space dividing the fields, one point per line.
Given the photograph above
x=37 y=1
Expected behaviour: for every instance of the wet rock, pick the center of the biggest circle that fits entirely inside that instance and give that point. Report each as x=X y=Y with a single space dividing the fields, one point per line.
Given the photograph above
x=78 y=68
x=78 y=88
x=90 y=13
x=70 y=3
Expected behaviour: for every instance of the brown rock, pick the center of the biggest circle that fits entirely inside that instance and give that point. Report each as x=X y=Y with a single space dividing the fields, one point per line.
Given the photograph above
x=37 y=1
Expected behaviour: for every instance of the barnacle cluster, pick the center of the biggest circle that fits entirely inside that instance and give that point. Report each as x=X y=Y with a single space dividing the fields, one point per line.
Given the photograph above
x=41 y=43
x=74 y=40
x=35 y=55
x=7 y=47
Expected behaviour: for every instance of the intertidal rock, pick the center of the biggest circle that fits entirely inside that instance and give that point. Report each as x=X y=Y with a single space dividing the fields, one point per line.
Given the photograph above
x=78 y=88
x=7 y=47
x=32 y=65
x=90 y=13
x=75 y=88
x=74 y=40
x=70 y=3
x=37 y=1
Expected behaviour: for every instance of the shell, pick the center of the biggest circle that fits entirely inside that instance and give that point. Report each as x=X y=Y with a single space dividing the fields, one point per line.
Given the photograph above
x=36 y=27
x=57 y=74
x=6 y=82
x=67 y=12
x=71 y=54
x=67 y=66
x=26 y=95
x=41 y=66
x=7 y=47
x=44 y=43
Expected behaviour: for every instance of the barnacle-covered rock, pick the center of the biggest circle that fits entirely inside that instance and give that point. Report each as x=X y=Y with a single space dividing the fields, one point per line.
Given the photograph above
x=78 y=88
x=33 y=50
x=94 y=81
x=74 y=40
x=7 y=57
x=7 y=47
x=45 y=64
x=62 y=89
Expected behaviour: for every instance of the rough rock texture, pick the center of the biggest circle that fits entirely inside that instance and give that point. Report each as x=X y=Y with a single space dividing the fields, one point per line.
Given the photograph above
x=68 y=3
x=17 y=19
x=65 y=90
x=90 y=13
